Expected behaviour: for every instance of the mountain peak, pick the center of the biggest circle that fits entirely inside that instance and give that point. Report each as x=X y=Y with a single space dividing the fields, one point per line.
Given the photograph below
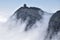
x=32 y=13
x=25 y=5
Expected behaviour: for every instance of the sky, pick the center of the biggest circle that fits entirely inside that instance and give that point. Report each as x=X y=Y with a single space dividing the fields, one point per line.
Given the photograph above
x=8 y=7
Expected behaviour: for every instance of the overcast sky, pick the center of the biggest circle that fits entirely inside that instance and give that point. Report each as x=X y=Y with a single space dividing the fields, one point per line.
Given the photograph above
x=7 y=7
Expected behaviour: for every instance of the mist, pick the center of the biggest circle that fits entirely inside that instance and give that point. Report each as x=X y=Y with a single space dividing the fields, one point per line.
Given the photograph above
x=12 y=31
x=27 y=23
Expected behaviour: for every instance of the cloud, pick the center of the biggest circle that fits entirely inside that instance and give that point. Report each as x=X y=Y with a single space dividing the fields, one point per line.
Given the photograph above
x=2 y=19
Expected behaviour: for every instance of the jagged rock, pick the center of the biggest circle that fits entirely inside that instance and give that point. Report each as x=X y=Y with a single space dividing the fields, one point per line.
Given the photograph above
x=28 y=12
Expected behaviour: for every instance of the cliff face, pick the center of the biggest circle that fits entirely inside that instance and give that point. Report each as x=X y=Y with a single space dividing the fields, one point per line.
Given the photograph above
x=54 y=24
x=33 y=14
